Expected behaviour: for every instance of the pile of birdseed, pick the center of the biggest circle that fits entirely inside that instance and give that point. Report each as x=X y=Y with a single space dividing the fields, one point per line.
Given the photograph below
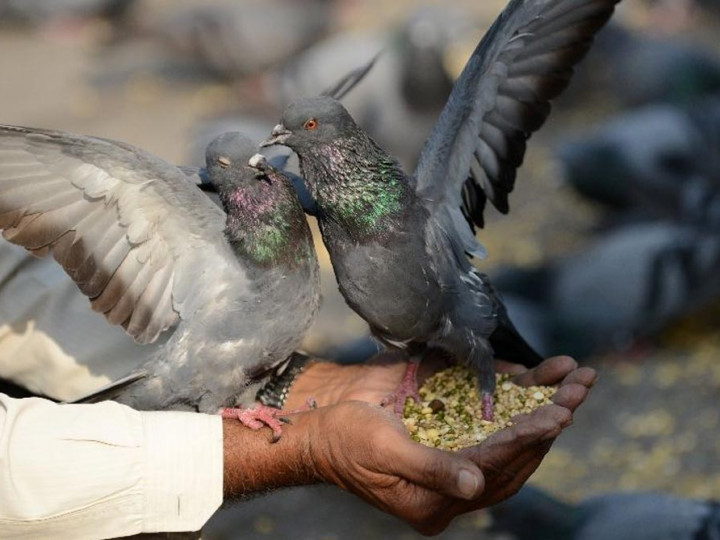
x=450 y=414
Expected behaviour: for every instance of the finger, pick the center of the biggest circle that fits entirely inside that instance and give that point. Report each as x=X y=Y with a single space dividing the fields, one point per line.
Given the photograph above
x=507 y=485
x=584 y=375
x=551 y=371
x=443 y=472
x=502 y=366
x=570 y=396
x=505 y=446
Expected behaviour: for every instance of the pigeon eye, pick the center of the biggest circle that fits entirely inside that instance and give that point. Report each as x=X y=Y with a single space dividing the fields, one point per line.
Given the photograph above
x=310 y=124
x=224 y=162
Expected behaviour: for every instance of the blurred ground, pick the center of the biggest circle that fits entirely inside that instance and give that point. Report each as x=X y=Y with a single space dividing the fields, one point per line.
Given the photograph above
x=652 y=421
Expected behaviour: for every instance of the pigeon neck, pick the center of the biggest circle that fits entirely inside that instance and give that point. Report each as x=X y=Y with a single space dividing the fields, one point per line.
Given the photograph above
x=265 y=224
x=356 y=185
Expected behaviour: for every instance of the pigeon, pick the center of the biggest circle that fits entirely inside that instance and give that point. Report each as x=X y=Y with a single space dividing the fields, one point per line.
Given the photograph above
x=232 y=39
x=629 y=284
x=636 y=69
x=661 y=159
x=399 y=244
x=231 y=293
x=533 y=514
x=35 y=12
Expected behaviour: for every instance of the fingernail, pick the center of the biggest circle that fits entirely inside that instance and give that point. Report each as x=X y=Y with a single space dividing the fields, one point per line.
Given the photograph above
x=468 y=483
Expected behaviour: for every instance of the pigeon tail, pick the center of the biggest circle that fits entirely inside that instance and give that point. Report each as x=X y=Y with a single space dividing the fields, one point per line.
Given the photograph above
x=508 y=344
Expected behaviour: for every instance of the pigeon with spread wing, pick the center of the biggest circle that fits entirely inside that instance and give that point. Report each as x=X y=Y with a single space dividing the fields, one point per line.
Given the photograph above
x=230 y=292
x=400 y=244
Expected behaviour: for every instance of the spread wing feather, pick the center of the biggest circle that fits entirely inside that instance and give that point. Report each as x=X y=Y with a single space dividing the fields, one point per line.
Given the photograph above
x=502 y=97
x=131 y=230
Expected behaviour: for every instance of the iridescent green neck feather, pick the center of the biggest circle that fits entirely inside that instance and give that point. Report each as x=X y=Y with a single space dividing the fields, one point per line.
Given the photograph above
x=357 y=185
x=266 y=225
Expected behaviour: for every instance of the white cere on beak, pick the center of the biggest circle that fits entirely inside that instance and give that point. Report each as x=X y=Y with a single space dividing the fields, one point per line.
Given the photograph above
x=257 y=160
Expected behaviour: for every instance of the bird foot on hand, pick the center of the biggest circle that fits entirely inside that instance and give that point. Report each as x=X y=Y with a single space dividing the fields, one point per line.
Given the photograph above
x=488 y=412
x=398 y=399
x=258 y=417
x=408 y=389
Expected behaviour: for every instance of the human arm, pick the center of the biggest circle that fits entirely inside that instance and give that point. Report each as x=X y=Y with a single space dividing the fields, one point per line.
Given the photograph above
x=105 y=468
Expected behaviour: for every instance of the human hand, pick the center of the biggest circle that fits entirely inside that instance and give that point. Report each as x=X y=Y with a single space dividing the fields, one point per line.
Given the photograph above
x=372 y=381
x=376 y=459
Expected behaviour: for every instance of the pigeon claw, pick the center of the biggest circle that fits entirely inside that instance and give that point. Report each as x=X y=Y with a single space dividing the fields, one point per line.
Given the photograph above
x=257 y=417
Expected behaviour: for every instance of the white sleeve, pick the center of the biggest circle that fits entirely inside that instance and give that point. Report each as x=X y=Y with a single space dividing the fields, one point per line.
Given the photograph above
x=105 y=470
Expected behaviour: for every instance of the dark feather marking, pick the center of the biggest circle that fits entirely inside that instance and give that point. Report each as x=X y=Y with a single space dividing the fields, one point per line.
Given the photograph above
x=45 y=228
x=134 y=288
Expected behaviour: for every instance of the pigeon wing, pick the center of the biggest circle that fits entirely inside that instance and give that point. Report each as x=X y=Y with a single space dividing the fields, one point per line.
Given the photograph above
x=502 y=96
x=350 y=80
x=133 y=233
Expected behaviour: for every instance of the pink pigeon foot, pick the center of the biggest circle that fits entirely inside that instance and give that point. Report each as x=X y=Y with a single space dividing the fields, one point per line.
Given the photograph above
x=408 y=388
x=487 y=407
x=258 y=417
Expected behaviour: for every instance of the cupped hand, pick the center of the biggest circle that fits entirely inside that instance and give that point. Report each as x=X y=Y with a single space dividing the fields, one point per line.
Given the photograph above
x=366 y=450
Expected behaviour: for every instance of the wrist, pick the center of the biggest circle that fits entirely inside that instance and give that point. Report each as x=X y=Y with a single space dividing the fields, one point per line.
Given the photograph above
x=323 y=382
x=253 y=464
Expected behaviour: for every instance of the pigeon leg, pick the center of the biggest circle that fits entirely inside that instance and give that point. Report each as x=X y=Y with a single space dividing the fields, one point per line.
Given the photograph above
x=408 y=387
x=484 y=367
x=257 y=417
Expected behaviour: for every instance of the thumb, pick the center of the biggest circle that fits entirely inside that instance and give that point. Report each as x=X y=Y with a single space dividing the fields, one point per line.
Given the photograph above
x=436 y=470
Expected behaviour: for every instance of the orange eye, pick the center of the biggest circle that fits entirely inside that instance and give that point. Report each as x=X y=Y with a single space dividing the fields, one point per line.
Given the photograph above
x=311 y=124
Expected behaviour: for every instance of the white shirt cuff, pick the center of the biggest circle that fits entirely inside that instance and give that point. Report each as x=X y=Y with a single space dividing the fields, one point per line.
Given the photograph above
x=183 y=470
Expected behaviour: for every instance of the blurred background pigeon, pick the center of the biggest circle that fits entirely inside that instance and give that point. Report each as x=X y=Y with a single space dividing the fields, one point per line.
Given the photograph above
x=231 y=39
x=37 y=12
x=661 y=161
x=533 y=514
x=630 y=283
x=633 y=68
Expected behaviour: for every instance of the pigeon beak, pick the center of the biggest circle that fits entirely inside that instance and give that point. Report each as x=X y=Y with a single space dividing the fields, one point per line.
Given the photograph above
x=258 y=161
x=279 y=135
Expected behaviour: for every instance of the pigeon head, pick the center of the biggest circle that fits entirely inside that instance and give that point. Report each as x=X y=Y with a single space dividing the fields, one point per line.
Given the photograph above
x=309 y=122
x=227 y=155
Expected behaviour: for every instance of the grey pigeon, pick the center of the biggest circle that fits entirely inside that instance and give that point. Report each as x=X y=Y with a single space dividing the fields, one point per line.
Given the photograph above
x=535 y=515
x=399 y=244
x=631 y=283
x=235 y=38
x=36 y=12
x=231 y=293
x=663 y=160
x=636 y=69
